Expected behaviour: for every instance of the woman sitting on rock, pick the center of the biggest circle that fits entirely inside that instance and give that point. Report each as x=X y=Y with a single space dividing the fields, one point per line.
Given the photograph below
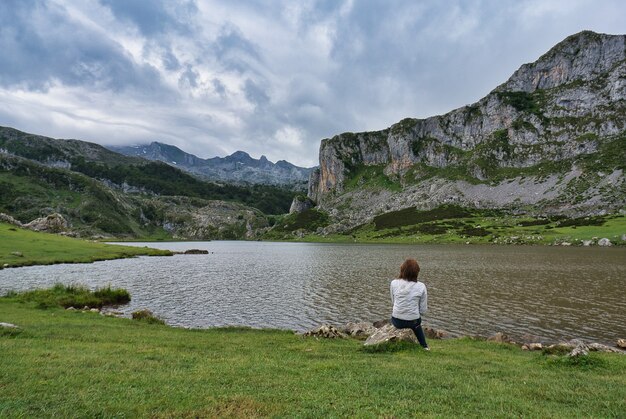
x=410 y=300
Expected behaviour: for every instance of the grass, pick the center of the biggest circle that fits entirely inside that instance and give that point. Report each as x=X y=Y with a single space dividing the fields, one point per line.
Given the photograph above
x=74 y=364
x=74 y=296
x=372 y=177
x=21 y=247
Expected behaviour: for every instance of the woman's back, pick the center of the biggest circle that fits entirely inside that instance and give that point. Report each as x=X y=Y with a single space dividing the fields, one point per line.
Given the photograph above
x=409 y=299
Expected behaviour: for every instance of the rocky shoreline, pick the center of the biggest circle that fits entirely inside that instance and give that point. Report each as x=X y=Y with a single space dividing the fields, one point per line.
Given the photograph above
x=380 y=332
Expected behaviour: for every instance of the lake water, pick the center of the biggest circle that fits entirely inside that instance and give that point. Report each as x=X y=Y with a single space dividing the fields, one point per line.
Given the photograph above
x=538 y=293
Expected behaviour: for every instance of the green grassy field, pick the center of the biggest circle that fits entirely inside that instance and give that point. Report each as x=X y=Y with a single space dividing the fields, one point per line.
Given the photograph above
x=74 y=364
x=407 y=227
x=21 y=247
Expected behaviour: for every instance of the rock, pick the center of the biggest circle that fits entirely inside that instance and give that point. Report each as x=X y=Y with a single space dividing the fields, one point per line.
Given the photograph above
x=9 y=325
x=604 y=242
x=196 y=252
x=499 y=337
x=532 y=347
x=111 y=313
x=389 y=333
x=10 y=220
x=381 y=323
x=362 y=329
x=559 y=348
x=325 y=331
x=94 y=310
x=434 y=333
x=580 y=350
x=301 y=204
x=18 y=254
x=623 y=237
x=598 y=347
x=70 y=308
x=566 y=244
x=621 y=343
x=86 y=308
x=53 y=223
x=587 y=242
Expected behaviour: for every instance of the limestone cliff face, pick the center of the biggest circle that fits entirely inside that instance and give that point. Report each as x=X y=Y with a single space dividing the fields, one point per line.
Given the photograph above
x=569 y=103
x=583 y=56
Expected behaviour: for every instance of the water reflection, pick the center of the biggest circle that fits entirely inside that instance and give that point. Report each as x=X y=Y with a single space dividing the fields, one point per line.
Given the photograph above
x=549 y=293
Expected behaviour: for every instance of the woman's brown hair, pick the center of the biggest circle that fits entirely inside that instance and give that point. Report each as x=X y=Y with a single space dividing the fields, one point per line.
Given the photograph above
x=409 y=270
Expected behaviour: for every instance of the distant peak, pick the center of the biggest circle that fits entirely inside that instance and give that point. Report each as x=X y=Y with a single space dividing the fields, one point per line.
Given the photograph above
x=240 y=154
x=263 y=159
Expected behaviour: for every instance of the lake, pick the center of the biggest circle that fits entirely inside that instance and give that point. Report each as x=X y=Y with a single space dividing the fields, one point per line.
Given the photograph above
x=532 y=293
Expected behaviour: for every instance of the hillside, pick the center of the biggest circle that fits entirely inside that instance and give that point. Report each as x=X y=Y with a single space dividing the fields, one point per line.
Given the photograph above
x=549 y=141
x=133 y=174
x=239 y=167
x=29 y=190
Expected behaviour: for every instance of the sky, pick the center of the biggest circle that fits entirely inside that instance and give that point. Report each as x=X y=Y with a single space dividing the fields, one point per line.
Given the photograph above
x=267 y=77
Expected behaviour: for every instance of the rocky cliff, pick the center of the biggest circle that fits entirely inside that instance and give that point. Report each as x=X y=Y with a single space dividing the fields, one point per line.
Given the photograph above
x=550 y=139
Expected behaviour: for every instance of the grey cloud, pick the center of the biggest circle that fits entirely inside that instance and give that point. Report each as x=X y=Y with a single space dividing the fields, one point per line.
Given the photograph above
x=58 y=49
x=170 y=62
x=218 y=86
x=234 y=51
x=153 y=17
x=255 y=94
x=188 y=78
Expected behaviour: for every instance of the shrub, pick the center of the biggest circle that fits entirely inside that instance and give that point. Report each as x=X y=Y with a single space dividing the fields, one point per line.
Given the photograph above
x=147 y=316
x=584 y=221
x=475 y=232
x=110 y=296
x=410 y=216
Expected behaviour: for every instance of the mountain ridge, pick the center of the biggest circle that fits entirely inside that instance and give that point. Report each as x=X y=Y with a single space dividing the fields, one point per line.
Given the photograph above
x=238 y=167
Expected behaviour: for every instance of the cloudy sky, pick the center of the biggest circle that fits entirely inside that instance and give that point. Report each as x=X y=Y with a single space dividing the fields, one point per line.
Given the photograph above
x=267 y=77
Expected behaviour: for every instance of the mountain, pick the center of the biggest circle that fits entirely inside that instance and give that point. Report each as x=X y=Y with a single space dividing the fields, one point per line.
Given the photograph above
x=99 y=191
x=136 y=174
x=239 y=167
x=550 y=140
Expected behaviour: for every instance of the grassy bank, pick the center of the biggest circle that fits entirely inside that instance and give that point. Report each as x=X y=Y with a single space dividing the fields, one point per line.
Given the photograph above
x=74 y=364
x=454 y=225
x=21 y=247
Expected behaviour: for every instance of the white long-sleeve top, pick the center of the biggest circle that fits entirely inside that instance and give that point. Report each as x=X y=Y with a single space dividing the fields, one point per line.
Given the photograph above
x=409 y=299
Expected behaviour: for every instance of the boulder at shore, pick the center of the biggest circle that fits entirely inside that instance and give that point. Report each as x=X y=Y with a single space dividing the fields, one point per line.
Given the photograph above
x=388 y=333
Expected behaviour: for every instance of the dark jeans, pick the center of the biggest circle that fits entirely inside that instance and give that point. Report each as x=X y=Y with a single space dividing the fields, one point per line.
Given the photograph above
x=414 y=325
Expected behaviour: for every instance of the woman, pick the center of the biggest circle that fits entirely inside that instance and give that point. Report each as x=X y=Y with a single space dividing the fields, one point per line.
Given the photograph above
x=410 y=300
